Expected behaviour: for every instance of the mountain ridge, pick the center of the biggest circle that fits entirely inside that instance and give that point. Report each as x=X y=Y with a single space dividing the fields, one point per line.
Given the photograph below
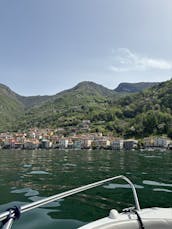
x=125 y=114
x=134 y=87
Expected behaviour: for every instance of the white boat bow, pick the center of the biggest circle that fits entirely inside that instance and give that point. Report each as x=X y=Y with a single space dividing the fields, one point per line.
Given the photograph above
x=131 y=218
x=150 y=218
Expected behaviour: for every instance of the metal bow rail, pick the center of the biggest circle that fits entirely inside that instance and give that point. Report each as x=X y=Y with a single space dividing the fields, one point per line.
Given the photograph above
x=9 y=216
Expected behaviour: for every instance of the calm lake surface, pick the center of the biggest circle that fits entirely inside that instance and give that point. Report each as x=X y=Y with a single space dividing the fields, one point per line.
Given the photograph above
x=27 y=176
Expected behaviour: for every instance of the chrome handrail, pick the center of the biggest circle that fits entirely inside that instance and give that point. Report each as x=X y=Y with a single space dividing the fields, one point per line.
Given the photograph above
x=36 y=204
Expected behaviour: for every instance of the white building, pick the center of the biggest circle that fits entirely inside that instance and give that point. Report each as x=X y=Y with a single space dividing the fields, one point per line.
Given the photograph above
x=162 y=142
x=117 y=144
x=63 y=143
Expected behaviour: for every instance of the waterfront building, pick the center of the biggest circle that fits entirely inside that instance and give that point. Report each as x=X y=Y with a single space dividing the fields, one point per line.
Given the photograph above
x=45 y=144
x=161 y=142
x=130 y=144
x=117 y=144
x=148 y=142
x=86 y=143
x=101 y=143
x=156 y=142
x=18 y=145
x=77 y=144
x=70 y=144
x=31 y=144
x=63 y=143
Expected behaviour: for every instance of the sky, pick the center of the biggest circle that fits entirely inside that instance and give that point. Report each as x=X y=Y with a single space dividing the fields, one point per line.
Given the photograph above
x=47 y=46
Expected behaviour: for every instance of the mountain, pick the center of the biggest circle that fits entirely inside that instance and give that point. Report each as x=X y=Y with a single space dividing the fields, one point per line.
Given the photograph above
x=92 y=89
x=134 y=87
x=13 y=106
x=10 y=107
x=141 y=114
x=70 y=106
x=148 y=112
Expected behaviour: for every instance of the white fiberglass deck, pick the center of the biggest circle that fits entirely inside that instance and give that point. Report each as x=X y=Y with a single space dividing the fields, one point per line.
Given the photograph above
x=152 y=218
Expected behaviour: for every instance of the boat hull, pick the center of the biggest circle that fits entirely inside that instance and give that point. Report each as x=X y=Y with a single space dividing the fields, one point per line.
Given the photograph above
x=151 y=218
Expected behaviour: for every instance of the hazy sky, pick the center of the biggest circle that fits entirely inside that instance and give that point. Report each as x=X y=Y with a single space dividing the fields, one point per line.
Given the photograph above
x=50 y=45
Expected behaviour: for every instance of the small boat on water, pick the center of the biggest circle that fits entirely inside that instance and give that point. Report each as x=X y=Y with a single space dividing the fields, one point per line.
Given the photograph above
x=130 y=218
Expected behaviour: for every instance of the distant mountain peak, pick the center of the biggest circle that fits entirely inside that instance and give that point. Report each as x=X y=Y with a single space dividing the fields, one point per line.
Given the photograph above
x=5 y=90
x=87 y=84
x=134 y=87
x=92 y=86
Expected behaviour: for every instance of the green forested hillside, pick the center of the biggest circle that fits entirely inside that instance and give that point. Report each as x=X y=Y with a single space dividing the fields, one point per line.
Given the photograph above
x=148 y=112
x=14 y=106
x=10 y=108
x=31 y=101
x=69 y=107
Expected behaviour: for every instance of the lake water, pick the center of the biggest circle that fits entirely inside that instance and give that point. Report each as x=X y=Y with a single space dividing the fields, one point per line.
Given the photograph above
x=27 y=176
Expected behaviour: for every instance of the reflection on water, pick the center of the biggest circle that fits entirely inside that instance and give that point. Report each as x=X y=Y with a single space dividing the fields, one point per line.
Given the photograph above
x=114 y=186
x=38 y=172
x=28 y=176
x=27 y=191
x=161 y=190
x=155 y=183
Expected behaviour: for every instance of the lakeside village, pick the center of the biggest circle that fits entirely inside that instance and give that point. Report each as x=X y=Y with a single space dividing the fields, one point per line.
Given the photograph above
x=55 y=139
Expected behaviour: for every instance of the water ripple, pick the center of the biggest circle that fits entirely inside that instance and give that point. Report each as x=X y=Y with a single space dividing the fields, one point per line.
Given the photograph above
x=161 y=190
x=39 y=172
x=155 y=183
x=27 y=191
x=113 y=186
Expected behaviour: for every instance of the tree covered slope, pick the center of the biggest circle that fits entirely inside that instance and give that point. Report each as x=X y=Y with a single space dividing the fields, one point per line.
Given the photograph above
x=141 y=114
x=10 y=107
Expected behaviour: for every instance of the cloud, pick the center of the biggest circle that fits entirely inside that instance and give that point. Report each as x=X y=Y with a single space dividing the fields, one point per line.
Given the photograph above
x=125 y=61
